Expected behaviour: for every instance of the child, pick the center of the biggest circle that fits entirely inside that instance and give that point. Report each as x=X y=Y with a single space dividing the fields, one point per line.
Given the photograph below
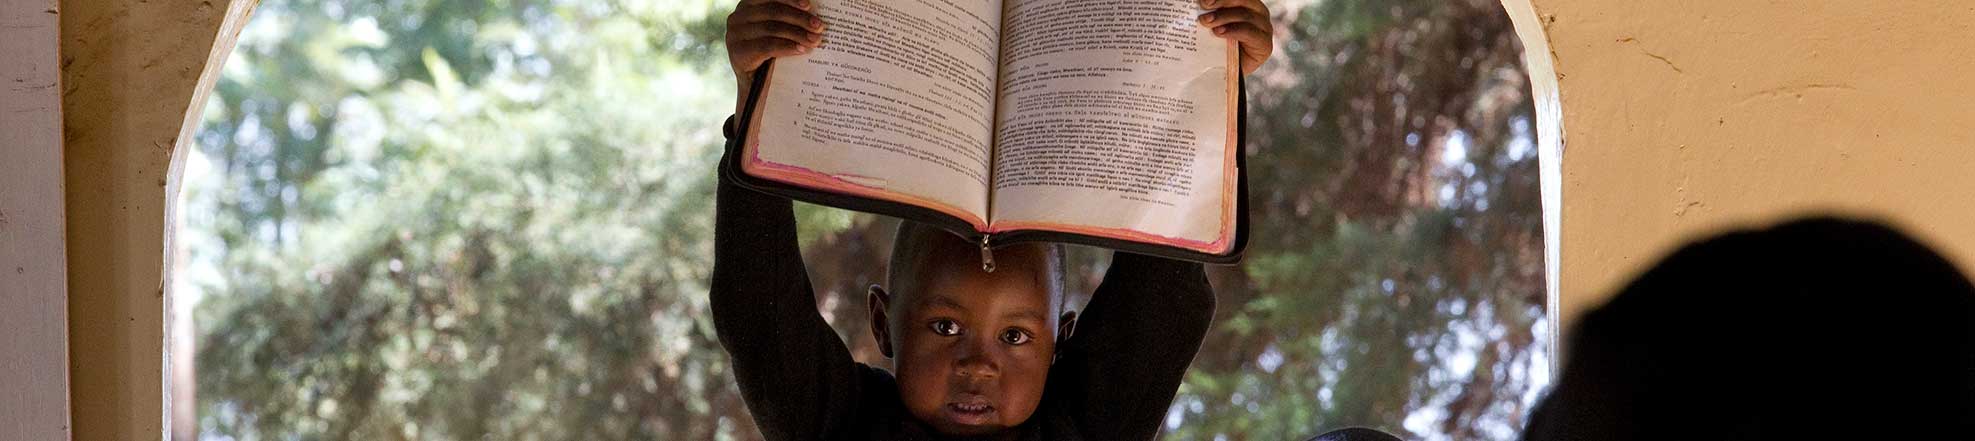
x=974 y=354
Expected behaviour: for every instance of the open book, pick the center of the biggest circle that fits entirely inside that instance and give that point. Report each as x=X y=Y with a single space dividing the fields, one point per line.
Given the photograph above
x=1112 y=123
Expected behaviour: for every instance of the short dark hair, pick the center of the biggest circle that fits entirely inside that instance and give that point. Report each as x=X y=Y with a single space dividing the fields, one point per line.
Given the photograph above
x=916 y=244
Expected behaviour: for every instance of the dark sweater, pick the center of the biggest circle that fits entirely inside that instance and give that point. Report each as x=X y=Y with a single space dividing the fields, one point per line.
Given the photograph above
x=1114 y=378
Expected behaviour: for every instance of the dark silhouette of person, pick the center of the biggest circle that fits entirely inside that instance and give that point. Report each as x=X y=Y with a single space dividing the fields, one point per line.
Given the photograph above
x=1816 y=329
x=1355 y=434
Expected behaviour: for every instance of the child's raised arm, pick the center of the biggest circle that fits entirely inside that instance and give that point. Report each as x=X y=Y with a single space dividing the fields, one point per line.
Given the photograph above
x=1132 y=345
x=1134 y=341
x=793 y=371
x=797 y=377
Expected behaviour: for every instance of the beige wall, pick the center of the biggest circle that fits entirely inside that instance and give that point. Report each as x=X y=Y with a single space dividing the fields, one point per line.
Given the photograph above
x=1683 y=118
x=34 y=364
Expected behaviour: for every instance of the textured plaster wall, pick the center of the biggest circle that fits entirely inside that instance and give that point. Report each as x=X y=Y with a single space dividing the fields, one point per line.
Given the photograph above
x=1683 y=118
x=129 y=71
x=34 y=365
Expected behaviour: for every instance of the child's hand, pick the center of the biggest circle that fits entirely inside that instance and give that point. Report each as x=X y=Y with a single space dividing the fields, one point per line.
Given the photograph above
x=762 y=29
x=1246 y=22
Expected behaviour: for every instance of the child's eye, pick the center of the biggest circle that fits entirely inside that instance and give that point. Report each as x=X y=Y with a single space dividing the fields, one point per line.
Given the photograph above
x=1015 y=337
x=945 y=327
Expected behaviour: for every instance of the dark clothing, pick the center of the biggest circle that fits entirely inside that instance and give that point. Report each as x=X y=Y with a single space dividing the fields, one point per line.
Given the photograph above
x=1114 y=379
x=1820 y=328
x=1355 y=434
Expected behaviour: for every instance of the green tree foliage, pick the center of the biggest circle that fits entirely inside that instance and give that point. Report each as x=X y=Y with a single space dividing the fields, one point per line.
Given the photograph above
x=457 y=220
x=1396 y=276
x=467 y=219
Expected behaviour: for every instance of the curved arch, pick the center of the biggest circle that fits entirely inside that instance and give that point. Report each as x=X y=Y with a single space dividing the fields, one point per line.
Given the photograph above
x=1537 y=57
x=128 y=71
x=1541 y=63
x=180 y=421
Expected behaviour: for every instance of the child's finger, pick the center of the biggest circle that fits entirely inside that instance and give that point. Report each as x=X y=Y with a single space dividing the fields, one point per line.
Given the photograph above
x=1225 y=16
x=1252 y=38
x=775 y=11
x=777 y=29
x=803 y=4
x=752 y=53
x=1252 y=5
x=759 y=50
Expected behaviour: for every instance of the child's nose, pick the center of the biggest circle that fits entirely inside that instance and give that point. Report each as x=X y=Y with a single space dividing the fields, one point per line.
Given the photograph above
x=976 y=359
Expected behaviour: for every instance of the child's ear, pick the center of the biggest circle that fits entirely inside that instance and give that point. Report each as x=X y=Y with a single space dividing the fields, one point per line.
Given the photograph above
x=1065 y=326
x=880 y=329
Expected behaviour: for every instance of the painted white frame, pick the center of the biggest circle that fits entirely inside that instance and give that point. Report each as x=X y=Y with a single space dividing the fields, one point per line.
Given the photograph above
x=34 y=344
x=1540 y=62
x=179 y=337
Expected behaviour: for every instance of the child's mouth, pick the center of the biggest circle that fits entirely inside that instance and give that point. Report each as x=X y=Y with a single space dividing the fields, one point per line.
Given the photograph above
x=970 y=411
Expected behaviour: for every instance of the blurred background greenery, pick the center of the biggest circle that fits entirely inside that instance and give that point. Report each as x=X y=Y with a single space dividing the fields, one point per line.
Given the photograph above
x=491 y=219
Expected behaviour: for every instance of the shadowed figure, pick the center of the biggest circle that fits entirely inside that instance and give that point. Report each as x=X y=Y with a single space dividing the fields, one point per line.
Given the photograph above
x=1355 y=434
x=1816 y=329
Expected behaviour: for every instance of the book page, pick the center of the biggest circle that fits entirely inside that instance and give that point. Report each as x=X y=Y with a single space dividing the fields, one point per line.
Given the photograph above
x=895 y=104
x=1116 y=119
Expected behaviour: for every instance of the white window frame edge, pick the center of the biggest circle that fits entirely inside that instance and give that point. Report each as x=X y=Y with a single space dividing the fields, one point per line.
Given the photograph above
x=1540 y=62
x=178 y=341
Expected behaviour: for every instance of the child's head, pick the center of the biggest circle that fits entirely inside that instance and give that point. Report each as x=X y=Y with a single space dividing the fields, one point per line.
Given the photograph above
x=971 y=349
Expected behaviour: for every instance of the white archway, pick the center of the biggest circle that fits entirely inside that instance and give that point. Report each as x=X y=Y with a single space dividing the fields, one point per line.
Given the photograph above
x=1537 y=58
x=1543 y=88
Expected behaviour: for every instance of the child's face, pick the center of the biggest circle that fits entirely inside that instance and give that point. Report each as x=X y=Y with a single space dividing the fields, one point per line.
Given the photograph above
x=973 y=348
